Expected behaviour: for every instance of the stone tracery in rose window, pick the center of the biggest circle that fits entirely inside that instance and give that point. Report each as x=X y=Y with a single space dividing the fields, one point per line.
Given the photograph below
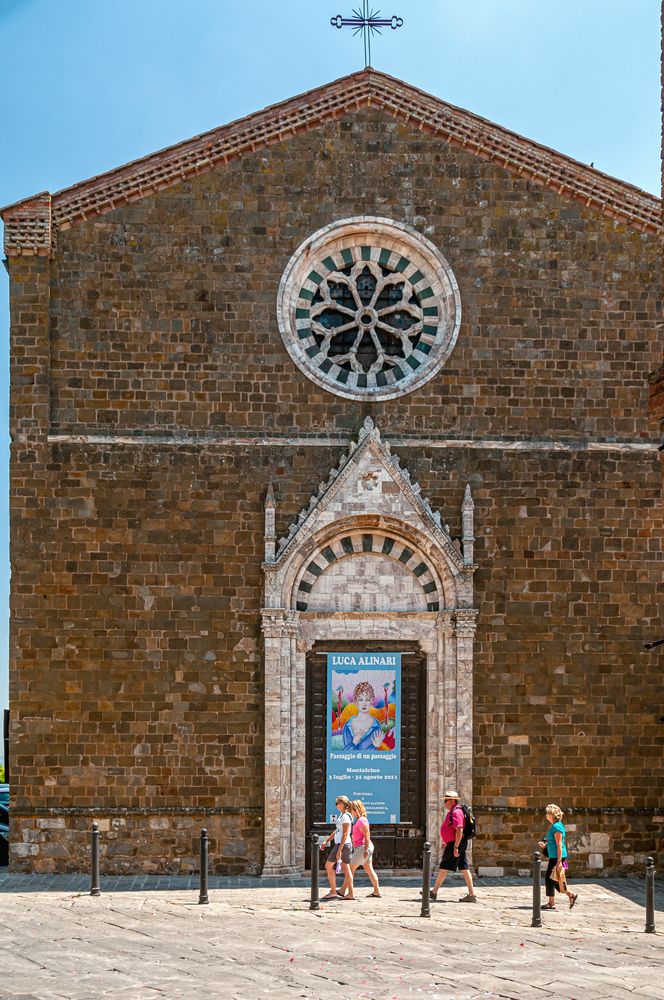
x=366 y=318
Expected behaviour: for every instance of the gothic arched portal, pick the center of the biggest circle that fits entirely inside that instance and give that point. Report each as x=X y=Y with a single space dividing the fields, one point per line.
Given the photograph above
x=368 y=560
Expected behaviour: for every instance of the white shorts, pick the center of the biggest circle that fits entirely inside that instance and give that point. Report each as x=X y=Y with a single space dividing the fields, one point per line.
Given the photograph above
x=358 y=854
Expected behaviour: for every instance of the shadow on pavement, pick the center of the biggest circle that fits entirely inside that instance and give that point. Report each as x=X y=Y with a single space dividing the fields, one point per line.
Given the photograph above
x=635 y=891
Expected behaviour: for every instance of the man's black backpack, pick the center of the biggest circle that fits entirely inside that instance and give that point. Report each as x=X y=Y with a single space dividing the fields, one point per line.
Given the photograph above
x=469 y=824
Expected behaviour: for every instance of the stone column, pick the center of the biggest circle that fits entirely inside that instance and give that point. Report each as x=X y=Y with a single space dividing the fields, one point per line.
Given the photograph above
x=279 y=629
x=432 y=648
x=465 y=621
x=298 y=749
x=448 y=701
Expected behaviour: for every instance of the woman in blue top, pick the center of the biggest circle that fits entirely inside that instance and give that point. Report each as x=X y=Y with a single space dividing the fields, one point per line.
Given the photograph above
x=556 y=851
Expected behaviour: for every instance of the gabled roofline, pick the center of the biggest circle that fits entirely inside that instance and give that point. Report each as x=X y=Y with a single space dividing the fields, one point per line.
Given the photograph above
x=367 y=88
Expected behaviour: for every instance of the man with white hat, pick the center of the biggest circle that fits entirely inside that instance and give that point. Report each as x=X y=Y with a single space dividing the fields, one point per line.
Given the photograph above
x=454 y=848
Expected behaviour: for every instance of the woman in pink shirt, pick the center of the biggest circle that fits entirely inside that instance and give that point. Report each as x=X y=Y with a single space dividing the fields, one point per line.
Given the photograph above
x=454 y=848
x=362 y=849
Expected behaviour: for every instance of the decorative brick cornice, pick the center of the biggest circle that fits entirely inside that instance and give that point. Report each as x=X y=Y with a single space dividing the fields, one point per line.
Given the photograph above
x=366 y=89
x=28 y=226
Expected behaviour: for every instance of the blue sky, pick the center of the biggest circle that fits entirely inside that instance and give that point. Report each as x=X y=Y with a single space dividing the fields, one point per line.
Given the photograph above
x=90 y=84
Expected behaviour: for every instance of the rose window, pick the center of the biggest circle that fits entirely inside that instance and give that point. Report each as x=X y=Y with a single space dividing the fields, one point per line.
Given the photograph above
x=374 y=312
x=366 y=318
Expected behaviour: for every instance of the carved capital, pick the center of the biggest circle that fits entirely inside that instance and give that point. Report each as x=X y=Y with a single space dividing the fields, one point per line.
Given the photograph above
x=279 y=623
x=445 y=623
x=466 y=622
x=293 y=624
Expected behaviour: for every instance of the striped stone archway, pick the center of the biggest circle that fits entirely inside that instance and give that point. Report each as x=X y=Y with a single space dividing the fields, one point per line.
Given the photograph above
x=354 y=546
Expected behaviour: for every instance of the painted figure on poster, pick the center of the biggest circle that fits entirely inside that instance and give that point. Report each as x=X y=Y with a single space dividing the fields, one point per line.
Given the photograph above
x=363 y=721
x=363 y=731
x=363 y=748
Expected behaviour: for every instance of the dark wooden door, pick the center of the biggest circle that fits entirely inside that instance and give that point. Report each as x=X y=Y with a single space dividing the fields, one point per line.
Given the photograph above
x=398 y=845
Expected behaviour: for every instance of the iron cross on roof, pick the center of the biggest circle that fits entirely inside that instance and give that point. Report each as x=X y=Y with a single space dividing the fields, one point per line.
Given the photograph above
x=369 y=22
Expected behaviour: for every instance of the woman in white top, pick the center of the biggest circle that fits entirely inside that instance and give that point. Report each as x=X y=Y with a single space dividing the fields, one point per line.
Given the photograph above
x=341 y=849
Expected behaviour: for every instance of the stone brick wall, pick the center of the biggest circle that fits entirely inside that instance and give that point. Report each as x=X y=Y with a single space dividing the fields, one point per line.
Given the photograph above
x=599 y=841
x=163 y=312
x=132 y=842
x=136 y=674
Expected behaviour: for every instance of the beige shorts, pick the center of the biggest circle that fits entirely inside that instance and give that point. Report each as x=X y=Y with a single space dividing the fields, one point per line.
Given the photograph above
x=358 y=854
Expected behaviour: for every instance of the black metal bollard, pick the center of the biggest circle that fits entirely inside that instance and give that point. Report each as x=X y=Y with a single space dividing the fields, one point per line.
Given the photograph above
x=94 y=857
x=650 y=896
x=203 y=890
x=426 y=880
x=315 y=851
x=537 y=890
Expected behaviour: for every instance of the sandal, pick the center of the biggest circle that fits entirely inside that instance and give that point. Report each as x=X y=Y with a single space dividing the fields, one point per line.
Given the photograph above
x=547 y=906
x=376 y=895
x=330 y=895
x=573 y=899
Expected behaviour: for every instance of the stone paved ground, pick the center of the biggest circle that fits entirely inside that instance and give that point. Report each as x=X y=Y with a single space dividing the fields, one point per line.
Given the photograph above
x=256 y=941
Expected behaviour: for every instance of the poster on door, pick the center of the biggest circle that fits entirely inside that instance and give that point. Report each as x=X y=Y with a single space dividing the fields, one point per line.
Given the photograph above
x=364 y=733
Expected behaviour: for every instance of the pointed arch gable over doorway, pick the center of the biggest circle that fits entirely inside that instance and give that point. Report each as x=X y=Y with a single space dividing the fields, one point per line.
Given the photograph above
x=367 y=560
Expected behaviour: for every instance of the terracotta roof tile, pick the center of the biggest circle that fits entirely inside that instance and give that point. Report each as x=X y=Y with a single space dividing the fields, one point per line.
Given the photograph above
x=28 y=226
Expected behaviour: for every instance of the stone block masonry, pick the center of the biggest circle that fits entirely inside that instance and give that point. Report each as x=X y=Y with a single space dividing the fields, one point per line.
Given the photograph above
x=558 y=306
x=138 y=840
x=141 y=686
x=153 y=400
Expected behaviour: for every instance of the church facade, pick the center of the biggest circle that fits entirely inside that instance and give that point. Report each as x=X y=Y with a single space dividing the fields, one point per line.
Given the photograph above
x=361 y=374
